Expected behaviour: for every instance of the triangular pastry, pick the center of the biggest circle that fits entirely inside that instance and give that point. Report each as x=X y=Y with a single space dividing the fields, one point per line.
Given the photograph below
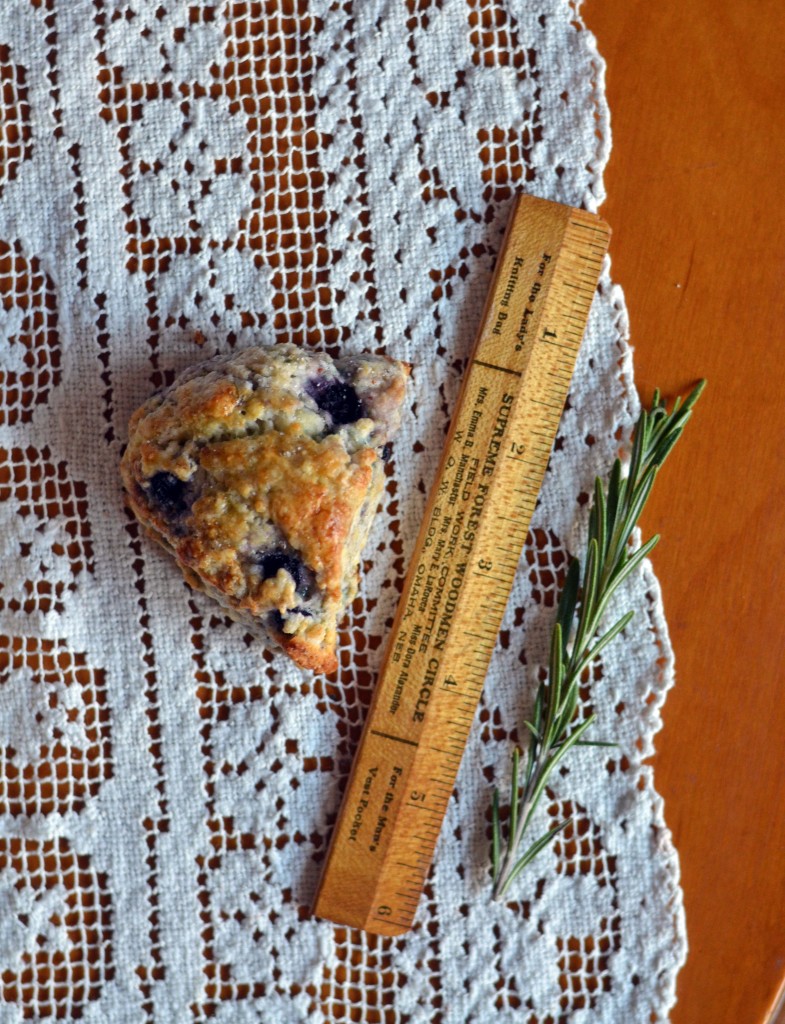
x=261 y=472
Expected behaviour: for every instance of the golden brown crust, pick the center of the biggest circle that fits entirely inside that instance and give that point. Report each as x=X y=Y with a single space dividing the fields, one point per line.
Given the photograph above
x=306 y=656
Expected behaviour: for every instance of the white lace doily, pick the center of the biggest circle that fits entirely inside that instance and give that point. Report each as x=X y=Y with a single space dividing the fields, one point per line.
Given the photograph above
x=338 y=173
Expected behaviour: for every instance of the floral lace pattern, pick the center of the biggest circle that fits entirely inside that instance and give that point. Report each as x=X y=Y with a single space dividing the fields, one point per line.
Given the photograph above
x=178 y=180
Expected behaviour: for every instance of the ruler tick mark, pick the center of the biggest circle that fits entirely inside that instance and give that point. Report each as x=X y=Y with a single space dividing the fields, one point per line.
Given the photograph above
x=487 y=576
x=501 y=369
x=398 y=739
x=548 y=405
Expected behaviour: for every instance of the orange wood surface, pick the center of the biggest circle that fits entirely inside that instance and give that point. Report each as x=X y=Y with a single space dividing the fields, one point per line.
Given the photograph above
x=695 y=201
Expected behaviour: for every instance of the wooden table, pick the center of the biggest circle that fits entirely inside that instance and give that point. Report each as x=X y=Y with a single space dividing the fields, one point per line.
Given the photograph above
x=695 y=200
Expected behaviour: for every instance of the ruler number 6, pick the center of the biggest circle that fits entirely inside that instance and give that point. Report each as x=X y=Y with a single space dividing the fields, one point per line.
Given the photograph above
x=383 y=910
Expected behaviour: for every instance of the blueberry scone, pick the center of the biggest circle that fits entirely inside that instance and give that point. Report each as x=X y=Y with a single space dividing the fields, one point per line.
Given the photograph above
x=261 y=472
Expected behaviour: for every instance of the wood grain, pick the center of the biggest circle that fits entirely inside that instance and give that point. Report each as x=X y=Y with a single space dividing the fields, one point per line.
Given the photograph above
x=695 y=202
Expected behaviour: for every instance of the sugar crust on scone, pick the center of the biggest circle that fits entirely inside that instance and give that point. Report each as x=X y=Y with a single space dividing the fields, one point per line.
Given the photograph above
x=261 y=472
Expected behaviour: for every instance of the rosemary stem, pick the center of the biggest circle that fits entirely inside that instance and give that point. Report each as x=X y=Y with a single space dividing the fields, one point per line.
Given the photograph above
x=526 y=807
x=500 y=888
x=578 y=635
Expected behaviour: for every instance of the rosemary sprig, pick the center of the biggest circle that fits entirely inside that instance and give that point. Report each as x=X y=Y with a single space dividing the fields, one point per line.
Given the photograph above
x=575 y=644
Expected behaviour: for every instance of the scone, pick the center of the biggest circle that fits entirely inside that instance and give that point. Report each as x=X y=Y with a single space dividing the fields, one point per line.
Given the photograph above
x=261 y=472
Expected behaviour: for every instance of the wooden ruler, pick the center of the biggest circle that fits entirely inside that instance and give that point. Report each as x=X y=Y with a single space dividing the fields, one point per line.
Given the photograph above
x=463 y=567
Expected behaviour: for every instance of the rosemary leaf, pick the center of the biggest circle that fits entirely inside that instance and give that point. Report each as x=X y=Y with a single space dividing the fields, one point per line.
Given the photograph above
x=532 y=852
x=568 y=601
x=514 y=791
x=496 y=834
x=595 y=743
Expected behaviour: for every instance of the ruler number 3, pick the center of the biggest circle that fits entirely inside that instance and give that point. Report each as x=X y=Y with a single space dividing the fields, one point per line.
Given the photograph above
x=485 y=564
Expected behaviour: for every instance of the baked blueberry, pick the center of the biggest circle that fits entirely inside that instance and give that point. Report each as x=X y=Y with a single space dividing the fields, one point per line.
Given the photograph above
x=271 y=561
x=336 y=397
x=169 y=494
x=276 y=621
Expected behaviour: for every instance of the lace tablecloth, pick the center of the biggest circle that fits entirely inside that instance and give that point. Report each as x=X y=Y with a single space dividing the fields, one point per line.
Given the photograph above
x=176 y=180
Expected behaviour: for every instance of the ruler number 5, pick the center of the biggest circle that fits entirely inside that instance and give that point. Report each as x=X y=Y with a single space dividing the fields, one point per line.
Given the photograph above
x=417 y=796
